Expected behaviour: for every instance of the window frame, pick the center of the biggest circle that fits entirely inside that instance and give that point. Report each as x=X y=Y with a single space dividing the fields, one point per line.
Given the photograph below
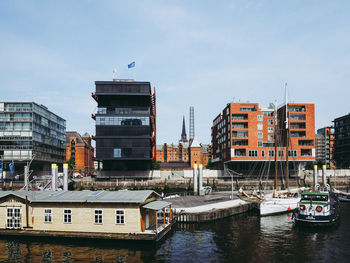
x=64 y=216
x=121 y=216
x=99 y=217
x=48 y=214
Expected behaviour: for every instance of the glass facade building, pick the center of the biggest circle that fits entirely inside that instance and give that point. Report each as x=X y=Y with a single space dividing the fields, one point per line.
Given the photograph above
x=124 y=125
x=29 y=130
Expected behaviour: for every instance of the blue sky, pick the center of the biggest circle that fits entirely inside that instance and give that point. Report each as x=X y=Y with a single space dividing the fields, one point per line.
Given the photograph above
x=195 y=53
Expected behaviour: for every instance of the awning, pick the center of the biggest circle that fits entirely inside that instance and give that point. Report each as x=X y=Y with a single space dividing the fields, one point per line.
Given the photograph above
x=156 y=205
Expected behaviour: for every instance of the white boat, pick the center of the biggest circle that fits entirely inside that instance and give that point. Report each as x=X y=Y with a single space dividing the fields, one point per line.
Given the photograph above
x=343 y=196
x=280 y=201
x=278 y=205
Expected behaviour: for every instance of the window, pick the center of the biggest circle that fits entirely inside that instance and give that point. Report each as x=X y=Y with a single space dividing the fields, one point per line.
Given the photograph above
x=270 y=122
x=48 y=216
x=292 y=153
x=270 y=138
x=260 y=144
x=280 y=153
x=270 y=129
x=253 y=153
x=260 y=135
x=260 y=126
x=271 y=153
x=120 y=217
x=117 y=153
x=98 y=216
x=263 y=153
x=67 y=216
x=260 y=118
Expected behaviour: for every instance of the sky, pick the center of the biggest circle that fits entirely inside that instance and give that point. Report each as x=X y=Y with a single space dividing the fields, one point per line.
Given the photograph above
x=195 y=53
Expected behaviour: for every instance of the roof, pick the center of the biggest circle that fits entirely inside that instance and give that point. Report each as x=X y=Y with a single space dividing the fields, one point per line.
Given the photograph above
x=156 y=205
x=79 y=138
x=85 y=196
x=195 y=143
x=86 y=135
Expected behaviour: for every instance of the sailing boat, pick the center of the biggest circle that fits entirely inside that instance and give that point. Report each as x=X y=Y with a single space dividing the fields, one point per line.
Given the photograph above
x=280 y=201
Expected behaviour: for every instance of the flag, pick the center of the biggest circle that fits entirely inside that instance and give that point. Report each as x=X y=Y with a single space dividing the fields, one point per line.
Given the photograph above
x=131 y=65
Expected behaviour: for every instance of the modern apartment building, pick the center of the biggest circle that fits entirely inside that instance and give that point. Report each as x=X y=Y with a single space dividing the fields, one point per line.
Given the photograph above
x=243 y=136
x=324 y=139
x=81 y=152
x=342 y=142
x=29 y=130
x=125 y=125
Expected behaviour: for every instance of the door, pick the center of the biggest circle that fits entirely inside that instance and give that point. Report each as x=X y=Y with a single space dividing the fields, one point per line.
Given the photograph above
x=13 y=218
x=147 y=221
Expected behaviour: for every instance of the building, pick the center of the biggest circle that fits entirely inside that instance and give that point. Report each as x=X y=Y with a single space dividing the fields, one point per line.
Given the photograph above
x=183 y=155
x=125 y=125
x=342 y=142
x=81 y=152
x=324 y=140
x=29 y=130
x=243 y=137
x=85 y=214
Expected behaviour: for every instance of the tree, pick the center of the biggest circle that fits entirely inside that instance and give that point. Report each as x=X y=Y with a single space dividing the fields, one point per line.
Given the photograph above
x=71 y=163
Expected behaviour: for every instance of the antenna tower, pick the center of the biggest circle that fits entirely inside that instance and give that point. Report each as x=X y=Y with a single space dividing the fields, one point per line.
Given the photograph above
x=191 y=122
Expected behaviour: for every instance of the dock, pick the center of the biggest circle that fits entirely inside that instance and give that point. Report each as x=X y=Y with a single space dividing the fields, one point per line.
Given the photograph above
x=193 y=209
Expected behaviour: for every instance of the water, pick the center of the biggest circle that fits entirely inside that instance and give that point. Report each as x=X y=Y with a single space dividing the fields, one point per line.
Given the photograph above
x=244 y=238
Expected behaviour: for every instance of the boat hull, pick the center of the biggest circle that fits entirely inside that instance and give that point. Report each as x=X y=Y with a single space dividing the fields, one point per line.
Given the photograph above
x=317 y=221
x=275 y=206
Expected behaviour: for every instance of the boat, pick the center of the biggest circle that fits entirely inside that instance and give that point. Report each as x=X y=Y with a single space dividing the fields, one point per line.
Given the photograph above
x=319 y=207
x=280 y=201
x=343 y=196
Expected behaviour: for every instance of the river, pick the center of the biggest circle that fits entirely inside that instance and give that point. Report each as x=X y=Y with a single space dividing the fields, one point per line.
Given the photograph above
x=243 y=238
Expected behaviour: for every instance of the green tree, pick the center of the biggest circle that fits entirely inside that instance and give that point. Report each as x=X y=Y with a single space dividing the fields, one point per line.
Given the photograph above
x=71 y=163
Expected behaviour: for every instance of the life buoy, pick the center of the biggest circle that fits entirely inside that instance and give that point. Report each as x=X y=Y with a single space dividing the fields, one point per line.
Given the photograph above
x=319 y=208
x=302 y=207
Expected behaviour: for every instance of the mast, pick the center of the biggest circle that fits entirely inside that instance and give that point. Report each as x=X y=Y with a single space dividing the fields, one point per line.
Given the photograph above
x=287 y=139
x=275 y=140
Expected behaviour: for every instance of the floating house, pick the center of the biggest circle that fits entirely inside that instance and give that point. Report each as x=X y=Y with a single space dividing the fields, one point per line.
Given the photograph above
x=136 y=215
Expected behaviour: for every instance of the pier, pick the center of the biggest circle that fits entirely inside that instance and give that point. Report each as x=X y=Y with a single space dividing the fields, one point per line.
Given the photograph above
x=193 y=209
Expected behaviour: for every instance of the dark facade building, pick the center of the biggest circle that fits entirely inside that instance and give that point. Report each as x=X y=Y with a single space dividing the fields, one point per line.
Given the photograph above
x=342 y=142
x=125 y=125
x=29 y=130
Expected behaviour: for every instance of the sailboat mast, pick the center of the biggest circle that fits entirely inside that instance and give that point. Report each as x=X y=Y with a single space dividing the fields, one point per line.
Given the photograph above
x=287 y=140
x=275 y=140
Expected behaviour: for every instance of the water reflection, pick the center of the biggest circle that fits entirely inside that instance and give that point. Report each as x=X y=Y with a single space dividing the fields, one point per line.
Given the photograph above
x=244 y=238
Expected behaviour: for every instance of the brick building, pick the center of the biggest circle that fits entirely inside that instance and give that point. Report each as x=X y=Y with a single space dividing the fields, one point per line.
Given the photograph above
x=324 y=142
x=243 y=136
x=185 y=153
x=342 y=142
x=80 y=150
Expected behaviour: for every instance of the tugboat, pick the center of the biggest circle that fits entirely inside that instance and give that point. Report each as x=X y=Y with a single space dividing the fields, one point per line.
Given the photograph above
x=319 y=207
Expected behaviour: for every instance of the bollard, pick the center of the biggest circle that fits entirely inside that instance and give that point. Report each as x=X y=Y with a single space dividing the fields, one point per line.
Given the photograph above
x=26 y=177
x=65 y=177
x=53 y=179
x=195 y=180
x=324 y=181
x=315 y=177
x=200 y=180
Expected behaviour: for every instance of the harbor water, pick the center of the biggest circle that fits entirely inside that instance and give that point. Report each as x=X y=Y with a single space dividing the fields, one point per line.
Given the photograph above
x=243 y=238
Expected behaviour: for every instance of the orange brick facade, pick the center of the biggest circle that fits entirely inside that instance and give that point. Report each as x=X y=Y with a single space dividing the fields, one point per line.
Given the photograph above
x=80 y=150
x=183 y=153
x=245 y=132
